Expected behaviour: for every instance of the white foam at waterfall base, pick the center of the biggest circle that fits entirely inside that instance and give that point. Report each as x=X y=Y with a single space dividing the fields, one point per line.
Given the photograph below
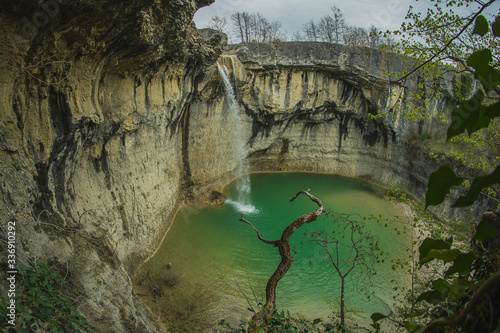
x=242 y=207
x=243 y=186
x=243 y=203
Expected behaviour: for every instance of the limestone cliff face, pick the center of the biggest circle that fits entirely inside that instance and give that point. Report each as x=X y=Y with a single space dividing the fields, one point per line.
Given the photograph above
x=113 y=115
x=309 y=106
x=95 y=99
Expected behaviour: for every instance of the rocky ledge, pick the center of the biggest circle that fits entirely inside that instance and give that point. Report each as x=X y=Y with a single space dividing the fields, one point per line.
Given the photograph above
x=114 y=115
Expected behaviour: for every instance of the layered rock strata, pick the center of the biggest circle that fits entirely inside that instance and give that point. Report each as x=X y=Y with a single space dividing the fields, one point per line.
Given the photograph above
x=113 y=115
x=95 y=100
x=313 y=107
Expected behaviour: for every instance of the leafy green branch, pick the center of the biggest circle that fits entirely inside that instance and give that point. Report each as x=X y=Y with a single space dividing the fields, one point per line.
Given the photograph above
x=479 y=28
x=40 y=304
x=460 y=296
x=470 y=115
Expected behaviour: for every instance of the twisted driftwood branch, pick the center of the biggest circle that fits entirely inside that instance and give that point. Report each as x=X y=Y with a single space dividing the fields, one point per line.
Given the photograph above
x=257 y=231
x=283 y=245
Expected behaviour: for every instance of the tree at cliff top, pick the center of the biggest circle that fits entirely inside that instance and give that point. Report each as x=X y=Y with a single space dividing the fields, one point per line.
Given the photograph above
x=253 y=27
x=333 y=29
x=310 y=30
x=218 y=23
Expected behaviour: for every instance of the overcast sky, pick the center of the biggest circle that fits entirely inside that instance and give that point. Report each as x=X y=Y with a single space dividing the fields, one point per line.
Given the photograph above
x=385 y=14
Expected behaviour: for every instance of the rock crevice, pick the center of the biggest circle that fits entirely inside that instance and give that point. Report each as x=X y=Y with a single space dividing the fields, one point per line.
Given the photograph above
x=114 y=115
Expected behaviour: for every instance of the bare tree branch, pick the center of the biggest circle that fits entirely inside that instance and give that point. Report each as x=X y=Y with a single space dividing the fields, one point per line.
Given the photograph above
x=357 y=251
x=283 y=245
x=257 y=231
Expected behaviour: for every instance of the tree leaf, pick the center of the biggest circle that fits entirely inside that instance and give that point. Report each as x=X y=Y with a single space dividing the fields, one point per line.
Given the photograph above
x=415 y=313
x=444 y=255
x=439 y=185
x=495 y=27
x=377 y=316
x=466 y=115
x=485 y=231
x=477 y=121
x=411 y=327
x=460 y=288
x=344 y=329
x=430 y=244
x=470 y=115
x=441 y=285
x=493 y=110
x=477 y=185
x=328 y=327
x=484 y=72
x=480 y=60
x=497 y=330
x=432 y=297
x=481 y=26
x=462 y=264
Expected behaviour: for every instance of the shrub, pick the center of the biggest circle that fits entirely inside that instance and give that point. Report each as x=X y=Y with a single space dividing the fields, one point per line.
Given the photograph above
x=40 y=305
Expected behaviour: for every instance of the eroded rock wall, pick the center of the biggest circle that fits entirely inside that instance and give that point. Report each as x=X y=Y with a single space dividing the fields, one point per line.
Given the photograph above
x=113 y=115
x=95 y=98
x=312 y=106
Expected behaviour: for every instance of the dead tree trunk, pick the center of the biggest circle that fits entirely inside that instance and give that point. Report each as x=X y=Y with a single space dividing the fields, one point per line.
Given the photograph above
x=342 y=301
x=283 y=245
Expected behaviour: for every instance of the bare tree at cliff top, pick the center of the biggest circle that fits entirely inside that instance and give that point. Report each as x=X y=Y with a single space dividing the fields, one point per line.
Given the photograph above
x=218 y=23
x=255 y=28
x=338 y=24
x=241 y=25
x=325 y=28
x=259 y=319
x=355 y=36
x=310 y=30
x=374 y=37
x=274 y=31
x=331 y=28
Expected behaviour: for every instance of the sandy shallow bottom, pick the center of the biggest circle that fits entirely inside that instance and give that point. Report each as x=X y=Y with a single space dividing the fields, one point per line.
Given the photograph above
x=213 y=266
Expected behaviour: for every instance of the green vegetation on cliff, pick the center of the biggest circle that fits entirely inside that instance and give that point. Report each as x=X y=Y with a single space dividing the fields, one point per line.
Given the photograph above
x=465 y=296
x=40 y=304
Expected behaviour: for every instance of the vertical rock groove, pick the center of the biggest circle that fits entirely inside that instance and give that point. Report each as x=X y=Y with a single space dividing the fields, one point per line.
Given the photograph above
x=186 y=168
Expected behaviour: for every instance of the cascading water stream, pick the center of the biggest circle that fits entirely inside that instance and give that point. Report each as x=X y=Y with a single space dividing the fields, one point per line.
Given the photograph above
x=242 y=202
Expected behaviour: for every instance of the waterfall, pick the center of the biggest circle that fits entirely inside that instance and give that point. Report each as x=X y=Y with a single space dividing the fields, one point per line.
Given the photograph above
x=242 y=202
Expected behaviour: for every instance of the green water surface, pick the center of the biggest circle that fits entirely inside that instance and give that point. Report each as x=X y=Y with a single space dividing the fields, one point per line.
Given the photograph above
x=213 y=252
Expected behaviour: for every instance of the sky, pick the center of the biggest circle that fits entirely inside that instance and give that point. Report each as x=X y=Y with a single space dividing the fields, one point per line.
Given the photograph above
x=384 y=14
